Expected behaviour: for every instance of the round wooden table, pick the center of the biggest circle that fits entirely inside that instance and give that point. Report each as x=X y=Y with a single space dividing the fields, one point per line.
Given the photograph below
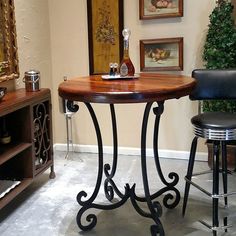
x=150 y=89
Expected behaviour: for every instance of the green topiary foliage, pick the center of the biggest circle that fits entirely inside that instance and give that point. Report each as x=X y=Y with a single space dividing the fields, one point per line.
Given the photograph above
x=220 y=48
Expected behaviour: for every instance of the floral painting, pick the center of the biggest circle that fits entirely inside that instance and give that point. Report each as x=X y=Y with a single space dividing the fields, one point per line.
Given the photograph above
x=105 y=31
x=1 y=41
x=105 y=24
x=1 y=48
x=150 y=9
x=161 y=54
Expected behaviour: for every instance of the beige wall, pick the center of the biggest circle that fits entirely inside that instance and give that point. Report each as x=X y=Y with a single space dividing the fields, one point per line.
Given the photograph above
x=52 y=37
x=33 y=40
x=68 y=21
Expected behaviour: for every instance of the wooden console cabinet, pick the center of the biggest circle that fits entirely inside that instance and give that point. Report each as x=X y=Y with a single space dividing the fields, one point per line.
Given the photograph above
x=30 y=151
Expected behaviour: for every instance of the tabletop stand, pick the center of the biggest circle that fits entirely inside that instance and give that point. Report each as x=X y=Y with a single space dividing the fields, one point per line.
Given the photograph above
x=69 y=139
x=70 y=110
x=170 y=200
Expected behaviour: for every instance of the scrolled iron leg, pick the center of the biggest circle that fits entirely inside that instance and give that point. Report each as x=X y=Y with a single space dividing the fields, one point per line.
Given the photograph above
x=157 y=230
x=91 y=219
x=87 y=204
x=154 y=207
x=170 y=201
x=109 y=186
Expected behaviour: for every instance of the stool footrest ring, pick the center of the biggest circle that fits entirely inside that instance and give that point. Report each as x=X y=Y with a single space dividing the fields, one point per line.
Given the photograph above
x=215 y=228
x=208 y=193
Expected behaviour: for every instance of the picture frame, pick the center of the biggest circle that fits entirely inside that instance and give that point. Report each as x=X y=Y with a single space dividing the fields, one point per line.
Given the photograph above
x=105 y=25
x=154 y=9
x=165 y=54
x=9 y=63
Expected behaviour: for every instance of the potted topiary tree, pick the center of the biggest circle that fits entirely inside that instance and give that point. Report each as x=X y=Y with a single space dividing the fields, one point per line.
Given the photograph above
x=220 y=53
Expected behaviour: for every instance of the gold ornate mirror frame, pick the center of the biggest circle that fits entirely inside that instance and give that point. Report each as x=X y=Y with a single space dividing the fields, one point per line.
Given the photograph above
x=8 y=48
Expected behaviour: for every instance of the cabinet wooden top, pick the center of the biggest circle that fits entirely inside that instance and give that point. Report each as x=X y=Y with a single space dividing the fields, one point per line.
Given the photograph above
x=20 y=98
x=148 y=87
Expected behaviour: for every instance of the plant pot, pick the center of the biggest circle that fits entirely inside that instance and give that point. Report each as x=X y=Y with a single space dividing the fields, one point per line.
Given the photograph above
x=231 y=155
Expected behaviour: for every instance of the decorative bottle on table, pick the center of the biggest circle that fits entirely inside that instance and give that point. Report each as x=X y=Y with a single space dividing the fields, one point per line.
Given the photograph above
x=126 y=65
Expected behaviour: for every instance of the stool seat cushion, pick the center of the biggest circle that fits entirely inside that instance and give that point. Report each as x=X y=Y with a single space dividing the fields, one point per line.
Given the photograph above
x=215 y=120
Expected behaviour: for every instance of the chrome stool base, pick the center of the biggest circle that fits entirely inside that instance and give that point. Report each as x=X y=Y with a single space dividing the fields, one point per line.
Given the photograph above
x=222 y=195
x=215 y=195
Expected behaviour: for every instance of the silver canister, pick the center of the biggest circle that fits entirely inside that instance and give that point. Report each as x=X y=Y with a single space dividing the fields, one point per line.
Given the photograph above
x=31 y=80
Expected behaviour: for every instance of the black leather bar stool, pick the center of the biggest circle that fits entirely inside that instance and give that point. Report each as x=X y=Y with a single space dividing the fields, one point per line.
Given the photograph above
x=219 y=127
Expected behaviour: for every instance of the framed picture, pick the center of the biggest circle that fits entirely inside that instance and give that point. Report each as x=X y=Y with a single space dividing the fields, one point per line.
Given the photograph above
x=234 y=13
x=153 y=9
x=161 y=54
x=105 y=25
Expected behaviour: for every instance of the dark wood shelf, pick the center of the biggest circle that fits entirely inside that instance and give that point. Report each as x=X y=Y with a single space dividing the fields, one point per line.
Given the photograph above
x=18 y=160
x=10 y=150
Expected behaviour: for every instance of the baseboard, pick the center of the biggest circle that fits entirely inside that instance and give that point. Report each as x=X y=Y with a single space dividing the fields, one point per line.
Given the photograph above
x=200 y=156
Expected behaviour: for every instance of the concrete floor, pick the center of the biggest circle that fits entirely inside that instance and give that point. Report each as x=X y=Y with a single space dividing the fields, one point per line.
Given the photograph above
x=49 y=207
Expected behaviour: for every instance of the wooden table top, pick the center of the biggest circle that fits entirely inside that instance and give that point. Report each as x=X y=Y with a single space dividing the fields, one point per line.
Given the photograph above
x=149 y=87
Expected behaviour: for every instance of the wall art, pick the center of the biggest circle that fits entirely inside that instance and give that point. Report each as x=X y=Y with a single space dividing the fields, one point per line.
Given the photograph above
x=105 y=25
x=161 y=54
x=153 y=9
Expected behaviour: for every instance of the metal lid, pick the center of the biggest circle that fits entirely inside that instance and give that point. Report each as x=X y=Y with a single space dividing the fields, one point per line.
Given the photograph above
x=32 y=72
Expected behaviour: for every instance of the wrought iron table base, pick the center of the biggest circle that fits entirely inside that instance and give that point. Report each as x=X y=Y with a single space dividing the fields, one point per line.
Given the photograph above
x=170 y=200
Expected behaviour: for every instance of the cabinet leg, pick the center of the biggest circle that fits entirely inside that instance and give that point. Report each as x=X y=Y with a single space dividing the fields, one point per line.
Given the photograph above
x=52 y=174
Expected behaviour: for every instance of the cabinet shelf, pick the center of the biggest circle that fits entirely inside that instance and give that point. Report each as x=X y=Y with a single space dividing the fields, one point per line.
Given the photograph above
x=14 y=192
x=7 y=185
x=11 y=150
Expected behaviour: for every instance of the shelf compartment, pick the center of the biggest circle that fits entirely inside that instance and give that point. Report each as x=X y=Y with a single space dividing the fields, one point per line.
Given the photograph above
x=14 y=192
x=41 y=168
x=18 y=167
x=7 y=185
x=11 y=150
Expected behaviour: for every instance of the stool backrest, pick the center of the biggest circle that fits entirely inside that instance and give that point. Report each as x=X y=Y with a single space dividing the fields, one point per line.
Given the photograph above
x=214 y=84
